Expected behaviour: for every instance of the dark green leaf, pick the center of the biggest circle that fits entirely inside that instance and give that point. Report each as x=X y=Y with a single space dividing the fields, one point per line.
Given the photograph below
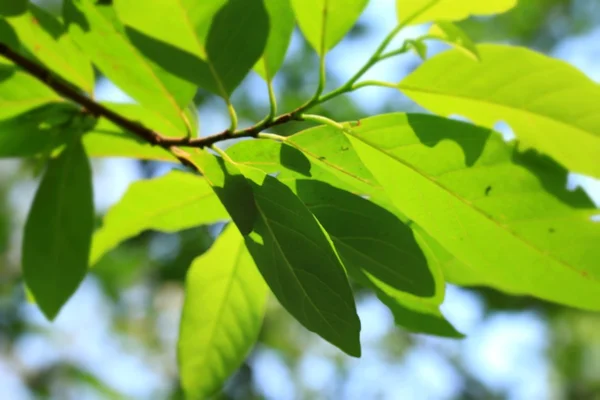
x=38 y=131
x=94 y=27
x=170 y=203
x=290 y=249
x=297 y=261
x=58 y=232
x=369 y=237
x=222 y=315
x=9 y=8
x=502 y=213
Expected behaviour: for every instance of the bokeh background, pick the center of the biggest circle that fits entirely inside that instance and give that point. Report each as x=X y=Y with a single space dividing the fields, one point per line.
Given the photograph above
x=116 y=338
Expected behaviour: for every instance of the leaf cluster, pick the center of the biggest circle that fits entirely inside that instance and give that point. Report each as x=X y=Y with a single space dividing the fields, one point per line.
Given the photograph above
x=398 y=203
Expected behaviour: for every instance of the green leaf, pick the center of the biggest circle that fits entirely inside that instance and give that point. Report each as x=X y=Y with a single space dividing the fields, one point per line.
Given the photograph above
x=290 y=249
x=58 y=231
x=328 y=157
x=171 y=203
x=381 y=252
x=38 y=131
x=502 y=213
x=494 y=90
x=369 y=237
x=19 y=92
x=222 y=315
x=231 y=187
x=216 y=59
x=414 y=12
x=299 y=264
x=454 y=36
x=325 y=22
x=9 y=8
x=418 y=314
x=45 y=38
x=94 y=27
x=282 y=22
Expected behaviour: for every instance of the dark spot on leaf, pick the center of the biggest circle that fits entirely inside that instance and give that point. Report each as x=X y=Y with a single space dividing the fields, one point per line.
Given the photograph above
x=551 y=230
x=322 y=158
x=345 y=148
x=488 y=190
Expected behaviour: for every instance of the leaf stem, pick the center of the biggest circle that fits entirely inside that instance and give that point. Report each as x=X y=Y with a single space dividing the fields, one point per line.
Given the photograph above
x=374 y=83
x=232 y=115
x=272 y=101
x=272 y=136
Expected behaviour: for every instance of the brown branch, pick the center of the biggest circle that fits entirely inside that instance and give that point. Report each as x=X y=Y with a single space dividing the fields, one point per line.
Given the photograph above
x=154 y=138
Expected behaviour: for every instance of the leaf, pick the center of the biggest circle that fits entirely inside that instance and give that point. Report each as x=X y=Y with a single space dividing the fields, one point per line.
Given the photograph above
x=94 y=27
x=454 y=36
x=9 y=8
x=46 y=39
x=529 y=93
x=290 y=249
x=171 y=203
x=281 y=21
x=324 y=23
x=222 y=315
x=58 y=231
x=231 y=187
x=329 y=158
x=301 y=268
x=216 y=59
x=414 y=12
x=369 y=237
x=20 y=92
x=381 y=252
x=38 y=131
x=502 y=213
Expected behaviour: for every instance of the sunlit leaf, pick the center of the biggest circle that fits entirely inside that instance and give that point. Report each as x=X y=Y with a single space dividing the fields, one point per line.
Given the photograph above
x=95 y=28
x=454 y=36
x=281 y=21
x=20 y=92
x=413 y=12
x=58 y=232
x=529 y=93
x=222 y=314
x=45 y=38
x=171 y=203
x=216 y=58
x=506 y=215
x=325 y=22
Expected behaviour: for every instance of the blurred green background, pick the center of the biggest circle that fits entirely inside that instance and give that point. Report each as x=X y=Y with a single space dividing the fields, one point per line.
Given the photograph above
x=116 y=337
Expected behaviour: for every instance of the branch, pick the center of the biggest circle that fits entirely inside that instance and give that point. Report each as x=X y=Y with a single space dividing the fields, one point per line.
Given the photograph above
x=152 y=137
